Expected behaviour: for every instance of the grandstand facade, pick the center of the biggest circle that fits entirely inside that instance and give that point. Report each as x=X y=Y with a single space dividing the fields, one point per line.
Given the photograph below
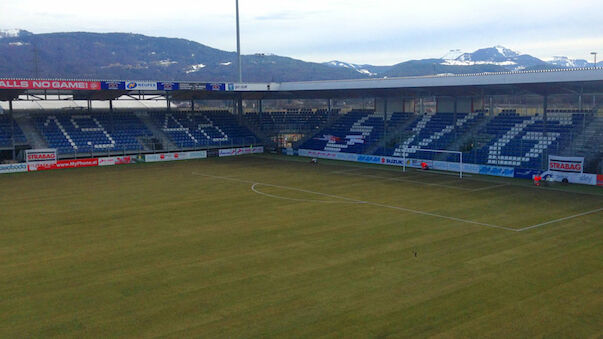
x=507 y=119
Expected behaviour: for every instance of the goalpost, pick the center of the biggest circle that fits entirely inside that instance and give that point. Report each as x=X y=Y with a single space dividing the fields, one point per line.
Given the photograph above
x=406 y=151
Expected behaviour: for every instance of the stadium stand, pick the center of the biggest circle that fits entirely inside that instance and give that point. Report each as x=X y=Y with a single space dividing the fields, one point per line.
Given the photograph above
x=289 y=120
x=435 y=131
x=511 y=139
x=8 y=127
x=203 y=129
x=70 y=133
x=523 y=141
x=351 y=133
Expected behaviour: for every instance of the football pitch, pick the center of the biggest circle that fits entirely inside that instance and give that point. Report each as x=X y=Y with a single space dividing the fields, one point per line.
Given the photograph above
x=271 y=246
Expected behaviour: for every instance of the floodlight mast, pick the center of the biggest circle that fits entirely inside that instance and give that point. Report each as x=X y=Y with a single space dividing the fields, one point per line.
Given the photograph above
x=595 y=55
x=239 y=44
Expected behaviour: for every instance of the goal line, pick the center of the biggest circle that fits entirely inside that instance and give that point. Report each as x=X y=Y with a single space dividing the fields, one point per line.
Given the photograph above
x=406 y=152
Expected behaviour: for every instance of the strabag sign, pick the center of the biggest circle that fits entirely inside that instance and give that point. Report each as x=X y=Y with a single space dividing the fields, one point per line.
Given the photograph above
x=41 y=156
x=566 y=164
x=50 y=84
x=240 y=151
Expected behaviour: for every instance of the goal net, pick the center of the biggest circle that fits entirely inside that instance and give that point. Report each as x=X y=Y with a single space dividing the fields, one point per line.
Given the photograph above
x=434 y=158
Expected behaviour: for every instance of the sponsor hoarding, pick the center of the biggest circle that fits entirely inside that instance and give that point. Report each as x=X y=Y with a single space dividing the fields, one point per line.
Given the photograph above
x=110 y=161
x=410 y=162
x=50 y=84
x=93 y=162
x=113 y=85
x=566 y=164
x=525 y=173
x=175 y=156
x=141 y=85
x=574 y=178
x=41 y=156
x=248 y=87
x=13 y=168
x=599 y=179
x=168 y=86
x=215 y=87
x=240 y=151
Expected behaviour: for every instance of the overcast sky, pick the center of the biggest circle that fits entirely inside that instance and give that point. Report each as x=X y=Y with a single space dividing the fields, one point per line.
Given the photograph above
x=379 y=32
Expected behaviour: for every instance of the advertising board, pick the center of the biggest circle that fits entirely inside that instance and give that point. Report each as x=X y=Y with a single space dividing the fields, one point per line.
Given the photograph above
x=13 y=168
x=75 y=163
x=168 y=86
x=574 y=178
x=113 y=85
x=50 y=84
x=566 y=164
x=215 y=87
x=525 y=173
x=140 y=85
x=41 y=156
x=175 y=156
x=599 y=179
x=110 y=161
x=227 y=152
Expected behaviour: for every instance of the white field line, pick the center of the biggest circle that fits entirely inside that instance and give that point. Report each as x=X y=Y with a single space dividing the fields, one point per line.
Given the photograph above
x=408 y=180
x=343 y=163
x=560 y=219
x=253 y=188
x=488 y=187
x=360 y=202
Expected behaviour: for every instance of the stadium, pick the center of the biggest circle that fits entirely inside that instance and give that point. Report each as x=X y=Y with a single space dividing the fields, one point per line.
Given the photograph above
x=382 y=207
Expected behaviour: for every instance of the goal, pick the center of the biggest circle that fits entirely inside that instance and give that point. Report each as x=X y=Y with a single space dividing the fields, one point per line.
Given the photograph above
x=448 y=160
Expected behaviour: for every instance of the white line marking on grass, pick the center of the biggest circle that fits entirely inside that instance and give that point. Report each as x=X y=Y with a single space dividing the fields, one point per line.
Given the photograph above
x=345 y=171
x=386 y=168
x=362 y=202
x=560 y=219
x=408 y=180
x=488 y=187
x=253 y=188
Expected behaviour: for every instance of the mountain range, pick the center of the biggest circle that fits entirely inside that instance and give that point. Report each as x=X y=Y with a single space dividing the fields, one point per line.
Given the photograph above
x=82 y=55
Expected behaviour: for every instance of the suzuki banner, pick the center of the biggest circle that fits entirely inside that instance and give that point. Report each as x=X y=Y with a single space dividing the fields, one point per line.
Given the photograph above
x=239 y=151
x=566 y=164
x=41 y=156
x=64 y=164
x=50 y=84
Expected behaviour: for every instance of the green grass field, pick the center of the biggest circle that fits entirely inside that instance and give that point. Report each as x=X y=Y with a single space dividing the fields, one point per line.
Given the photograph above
x=270 y=246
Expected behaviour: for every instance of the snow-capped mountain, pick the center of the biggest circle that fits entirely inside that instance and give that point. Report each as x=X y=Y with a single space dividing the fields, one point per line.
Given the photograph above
x=13 y=33
x=566 y=62
x=497 y=55
x=363 y=69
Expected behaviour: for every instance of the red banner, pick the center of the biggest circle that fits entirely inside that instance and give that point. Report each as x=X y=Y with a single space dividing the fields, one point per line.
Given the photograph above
x=65 y=164
x=50 y=84
x=599 y=179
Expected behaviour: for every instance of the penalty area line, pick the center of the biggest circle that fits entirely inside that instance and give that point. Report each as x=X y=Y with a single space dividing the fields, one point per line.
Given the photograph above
x=254 y=184
x=558 y=220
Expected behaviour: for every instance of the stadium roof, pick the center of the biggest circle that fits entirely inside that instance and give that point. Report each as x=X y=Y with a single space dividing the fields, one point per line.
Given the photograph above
x=570 y=81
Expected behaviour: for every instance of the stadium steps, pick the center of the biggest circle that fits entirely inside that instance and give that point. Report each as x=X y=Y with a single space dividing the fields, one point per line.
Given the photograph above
x=472 y=135
x=157 y=133
x=393 y=133
x=330 y=122
x=264 y=138
x=589 y=145
x=34 y=138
